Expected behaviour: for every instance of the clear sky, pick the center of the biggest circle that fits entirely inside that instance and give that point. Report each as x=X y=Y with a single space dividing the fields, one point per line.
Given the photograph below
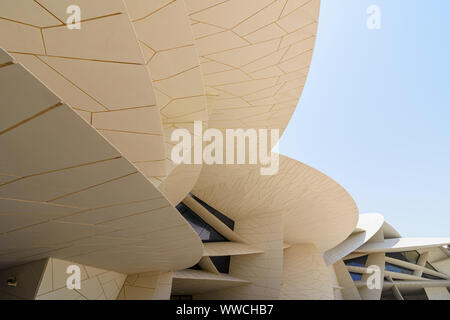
x=375 y=111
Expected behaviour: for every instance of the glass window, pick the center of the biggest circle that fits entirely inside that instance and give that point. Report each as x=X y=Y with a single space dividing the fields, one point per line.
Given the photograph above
x=227 y=221
x=429 y=266
x=357 y=262
x=204 y=230
x=222 y=263
x=356 y=276
x=412 y=256
x=429 y=276
x=409 y=256
x=394 y=268
x=388 y=295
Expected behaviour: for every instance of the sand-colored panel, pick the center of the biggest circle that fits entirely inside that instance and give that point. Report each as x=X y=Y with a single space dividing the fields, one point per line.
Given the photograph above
x=229 y=249
x=18 y=37
x=111 y=38
x=20 y=88
x=305 y=275
x=199 y=283
x=303 y=195
x=76 y=167
x=95 y=284
x=368 y=225
x=147 y=286
x=114 y=85
x=403 y=244
x=263 y=270
x=89 y=9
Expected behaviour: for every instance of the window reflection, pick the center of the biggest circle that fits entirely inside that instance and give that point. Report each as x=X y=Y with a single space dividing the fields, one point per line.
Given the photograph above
x=357 y=262
x=394 y=268
x=356 y=276
x=408 y=256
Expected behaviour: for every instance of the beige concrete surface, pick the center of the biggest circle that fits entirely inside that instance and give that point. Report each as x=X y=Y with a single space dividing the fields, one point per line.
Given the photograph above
x=368 y=225
x=200 y=283
x=155 y=285
x=304 y=195
x=99 y=70
x=437 y=293
x=86 y=175
x=96 y=284
x=74 y=196
x=305 y=275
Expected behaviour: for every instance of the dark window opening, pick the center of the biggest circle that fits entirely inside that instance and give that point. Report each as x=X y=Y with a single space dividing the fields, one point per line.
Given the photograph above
x=430 y=277
x=394 y=268
x=196 y=267
x=204 y=230
x=408 y=256
x=357 y=262
x=222 y=263
x=356 y=276
x=227 y=221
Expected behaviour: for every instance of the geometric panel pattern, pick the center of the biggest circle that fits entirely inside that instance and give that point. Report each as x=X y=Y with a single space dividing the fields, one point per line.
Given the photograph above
x=197 y=282
x=147 y=286
x=98 y=70
x=173 y=64
x=255 y=57
x=96 y=284
x=77 y=198
x=47 y=279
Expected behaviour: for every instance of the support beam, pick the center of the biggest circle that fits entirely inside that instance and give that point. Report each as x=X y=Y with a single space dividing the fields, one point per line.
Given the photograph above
x=397 y=293
x=395 y=290
x=419 y=268
x=212 y=220
x=194 y=282
x=206 y=264
x=349 y=290
x=421 y=262
x=214 y=249
x=377 y=259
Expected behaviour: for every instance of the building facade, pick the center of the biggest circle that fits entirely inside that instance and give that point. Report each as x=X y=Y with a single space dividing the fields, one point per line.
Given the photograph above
x=92 y=206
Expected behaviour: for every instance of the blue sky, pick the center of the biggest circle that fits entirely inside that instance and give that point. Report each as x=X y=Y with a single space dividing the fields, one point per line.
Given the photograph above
x=375 y=111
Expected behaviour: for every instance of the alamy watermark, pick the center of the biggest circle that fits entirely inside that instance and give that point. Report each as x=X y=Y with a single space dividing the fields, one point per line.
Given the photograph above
x=374 y=280
x=73 y=22
x=374 y=20
x=74 y=280
x=229 y=149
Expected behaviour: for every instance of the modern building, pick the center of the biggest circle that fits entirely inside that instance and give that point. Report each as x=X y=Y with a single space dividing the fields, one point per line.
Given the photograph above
x=88 y=188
